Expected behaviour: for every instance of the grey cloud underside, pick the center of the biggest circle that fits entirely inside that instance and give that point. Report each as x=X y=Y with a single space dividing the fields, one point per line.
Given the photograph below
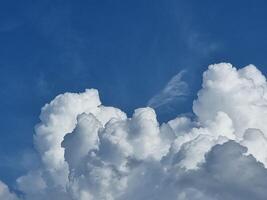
x=90 y=151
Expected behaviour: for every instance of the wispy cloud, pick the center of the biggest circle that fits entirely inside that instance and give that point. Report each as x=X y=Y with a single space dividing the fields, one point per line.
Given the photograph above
x=175 y=90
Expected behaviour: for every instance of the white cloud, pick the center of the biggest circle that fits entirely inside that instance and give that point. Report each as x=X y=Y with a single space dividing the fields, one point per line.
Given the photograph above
x=241 y=94
x=90 y=151
x=5 y=193
x=176 y=89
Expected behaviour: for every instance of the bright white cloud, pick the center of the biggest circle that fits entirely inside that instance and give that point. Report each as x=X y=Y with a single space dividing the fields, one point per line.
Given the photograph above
x=241 y=94
x=90 y=151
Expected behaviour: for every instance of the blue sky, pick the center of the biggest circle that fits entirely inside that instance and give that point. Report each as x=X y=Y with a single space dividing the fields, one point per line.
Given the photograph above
x=128 y=50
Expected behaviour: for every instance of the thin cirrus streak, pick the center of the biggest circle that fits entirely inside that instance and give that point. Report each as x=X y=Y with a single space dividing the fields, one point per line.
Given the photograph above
x=175 y=90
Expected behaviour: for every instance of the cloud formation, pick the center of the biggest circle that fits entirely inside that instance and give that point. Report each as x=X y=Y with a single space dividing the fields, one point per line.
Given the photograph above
x=175 y=90
x=5 y=193
x=90 y=151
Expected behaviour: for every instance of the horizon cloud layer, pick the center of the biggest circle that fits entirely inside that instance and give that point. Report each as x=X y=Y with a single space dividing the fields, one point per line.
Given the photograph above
x=90 y=151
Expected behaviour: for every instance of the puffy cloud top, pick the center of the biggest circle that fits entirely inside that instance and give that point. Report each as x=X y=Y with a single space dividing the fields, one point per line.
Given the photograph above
x=241 y=94
x=90 y=151
x=5 y=193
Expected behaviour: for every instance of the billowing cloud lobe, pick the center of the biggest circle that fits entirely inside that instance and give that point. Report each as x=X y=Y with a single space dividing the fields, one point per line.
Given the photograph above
x=90 y=151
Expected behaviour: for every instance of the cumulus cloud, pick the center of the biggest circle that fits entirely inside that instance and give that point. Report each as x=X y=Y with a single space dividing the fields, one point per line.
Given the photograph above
x=90 y=151
x=5 y=193
x=226 y=174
